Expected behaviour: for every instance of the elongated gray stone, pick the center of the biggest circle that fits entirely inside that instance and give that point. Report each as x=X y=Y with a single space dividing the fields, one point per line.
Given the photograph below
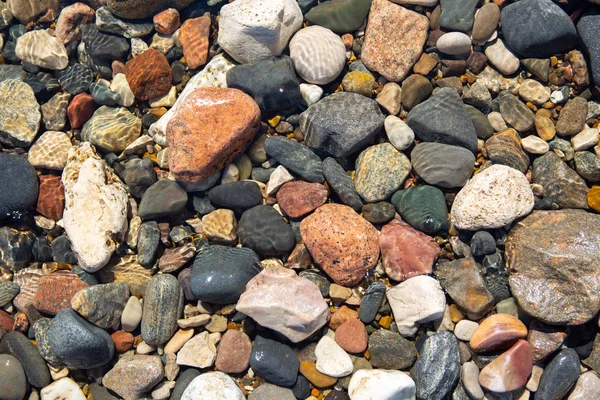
x=163 y=304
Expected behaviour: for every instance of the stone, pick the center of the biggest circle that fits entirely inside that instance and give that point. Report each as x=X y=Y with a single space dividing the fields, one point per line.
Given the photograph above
x=18 y=194
x=352 y=336
x=318 y=54
x=250 y=31
x=133 y=376
x=55 y=291
x=587 y=385
x=264 y=230
x=378 y=213
x=561 y=184
x=390 y=98
x=167 y=21
x=291 y=305
x=310 y=93
x=406 y=252
x=502 y=57
x=139 y=175
x=198 y=352
x=457 y=15
x=233 y=353
x=585 y=139
x=515 y=113
x=50 y=151
x=340 y=16
x=20 y=114
x=8 y=290
x=212 y=385
x=107 y=22
x=465 y=329
x=296 y=157
x=275 y=362
x=344 y=257
x=486 y=21
x=394 y=39
x=478 y=96
x=537 y=28
x=104 y=46
x=332 y=360
x=544 y=339
x=589 y=39
x=535 y=145
x=533 y=91
x=454 y=43
x=572 y=117
x=267 y=391
x=559 y=376
x=112 y=129
x=309 y=370
x=299 y=198
x=220 y=225
x=442 y=165
x=165 y=197
x=184 y=132
x=240 y=195
x=386 y=383
x=102 y=304
x=54 y=111
x=587 y=164
x=497 y=331
x=509 y=371
x=123 y=341
x=41 y=49
x=93 y=347
x=423 y=207
x=341 y=124
x=398 y=132
x=120 y=86
x=126 y=269
x=505 y=148
x=163 y=304
x=390 y=351
x=63 y=388
x=491 y=199
x=556 y=302
x=430 y=124
x=76 y=78
x=359 y=82
x=438 y=367
x=341 y=183
x=149 y=75
x=28 y=10
x=408 y=304
x=13 y=383
x=415 y=89
x=69 y=19
x=27 y=355
x=80 y=110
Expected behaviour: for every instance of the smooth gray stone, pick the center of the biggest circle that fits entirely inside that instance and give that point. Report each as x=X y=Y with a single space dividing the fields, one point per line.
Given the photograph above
x=296 y=157
x=107 y=22
x=275 y=362
x=165 y=197
x=442 y=165
x=482 y=126
x=148 y=241
x=103 y=95
x=371 y=302
x=457 y=15
x=264 y=230
x=22 y=349
x=183 y=380
x=163 y=304
x=590 y=38
x=561 y=184
x=341 y=183
x=559 y=376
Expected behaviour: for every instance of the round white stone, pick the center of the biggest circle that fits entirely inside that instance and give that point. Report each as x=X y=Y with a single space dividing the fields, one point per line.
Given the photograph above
x=454 y=43
x=62 y=389
x=400 y=135
x=493 y=198
x=387 y=384
x=332 y=360
x=464 y=329
x=502 y=58
x=535 y=145
x=318 y=54
x=310 y=93
x=212 y=386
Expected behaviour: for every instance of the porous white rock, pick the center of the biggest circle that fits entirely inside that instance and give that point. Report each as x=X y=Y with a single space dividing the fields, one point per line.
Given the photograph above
x=95 y=215
x=387 y=384
x=318 y=54
x=43 y=50
x=502 y=58
x=415 y=301
x=332 y=360
x=120 y=85
x=278 y=299
x=251 y=30
x=491 y=199
x=533 y=91
x=199 y=352
x=585 y=139
x=310 y=93
x=454 y=43
x=400 y=135
x=211 y=386
x=62 y=389
x=535 y=145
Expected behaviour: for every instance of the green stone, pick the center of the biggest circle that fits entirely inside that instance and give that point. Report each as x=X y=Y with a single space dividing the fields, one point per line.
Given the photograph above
x=341 y=16
x=423 y=207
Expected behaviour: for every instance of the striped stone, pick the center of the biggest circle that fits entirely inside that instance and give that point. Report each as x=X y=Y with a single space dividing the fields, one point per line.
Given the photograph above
x=76 y=79
x=50 y=151
x=112 y=129
x=43 y=50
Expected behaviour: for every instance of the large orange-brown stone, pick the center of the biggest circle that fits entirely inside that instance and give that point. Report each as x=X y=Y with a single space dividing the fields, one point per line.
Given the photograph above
x=193 y=35
x=51 y=200
x=341 y=242
x=56 y=290
x=210 y=129
x=149 y=75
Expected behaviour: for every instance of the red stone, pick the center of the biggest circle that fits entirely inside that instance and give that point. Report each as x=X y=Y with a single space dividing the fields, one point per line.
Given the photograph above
x=193 y=35
x=509 y=371
x=233 y=353
x=299 y=198
x=210 y=129
x=352 y=336
x=341 y=242
x=149 y=75
x=6 y=321
x=405 y=251
x=51 y=200
x=56 y=290
x=123 y=341
x=544 y=339
x=167 y=21
x=341 y=315
x=80 y=110
x=175 y=258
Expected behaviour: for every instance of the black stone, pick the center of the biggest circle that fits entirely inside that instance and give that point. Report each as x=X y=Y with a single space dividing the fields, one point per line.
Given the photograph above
x=201 y=204
x=148 y=242
x=9 y=53
x=482 y=244
x=41 y=249
x=423 y=207
x=271 y=82
x=220 y=273
x=590 y=38
x=239 y=195
x=139 y=175
x=19 y=183
x=442 y=118
x=302 y=388
x=389 y=350
x=537 y=28
x=495 y=276
x=371 y=302
x=559 y=376
x=378 y=213
x=62 y=251
x=296 y=157
x=265 y=231
x=102 y=45
x=275 y=362
x=15 y=248
x=9 y=71
x=104 y=96
x=22 y=349
x=322 y=283
x=163 y=198
x=76 y=78
x=341 y=183
x=183 y=381
x=457 y=15
x=337 y=395
x=178 y=70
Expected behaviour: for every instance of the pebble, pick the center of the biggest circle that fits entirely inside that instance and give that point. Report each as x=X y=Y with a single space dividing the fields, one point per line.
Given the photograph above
x=50 y=151
x=340 y=17
x=148 y=75
x=69 y=20
x=275 y=362
x=76 y=78
x=506 y=148
x=341 y=183
x=387 y=384
x=13 y=384
x=102 y=305
x=212 y=385
x=80 y=110
x=310 y=93
x=442 y=165
x=164 y=197
x=296 y=199
x=41 y=49
x=400 y=135
x=240 y=195
x=54 y=111
x=533 y=91
x=102 y=45
x=454 y=43
x=388 y=350
x=293 y=298
x=263 y=229
x=423 y=207
x=561 y=184
x=112 y=129
x=198 y=352
x=167 y=21
x=267 y=391
x=589 y=39
x=163 y=304
x=587 y=385
x=415 y=89
x=359 y=82
x=544 y=339
x=486 y=21
x=406 y=301
x=133 y=376
x=509 y=371
x=233 y=353
x=457 y=15
x=318 y=54
x=18 y=194
x=120 y=86
x=559 y=376
x=585 y=139
x=352 y=336
x=378 y=213
x=64 y=388
x=502 y=57
x=535 y=145
x=572 y=117
x=332 y=360
x=20 y=115
x=515 y=113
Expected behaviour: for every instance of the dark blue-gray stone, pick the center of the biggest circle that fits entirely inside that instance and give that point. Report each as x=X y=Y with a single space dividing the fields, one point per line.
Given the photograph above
x=202 y=204
x=438 y=367
x=262 y=174
x=559 y=376
x=8 y=290
x=41 y=249
x=341 y=124
x=239 y=195
x=457 y=15
x=264 y=230
x=76 y=78
x=423 y=207
x=371 y=302
x=77 y=343
x=220 y=273
x=104 y=96
x=301 y=388
x=296 y=157
x=482 y=244
x=163 y=198
x=341 y=183
x=15 y=248
x=163 y=304
x=22 y=349
x=442 y=118
x=442 y=165
x=85 y=276
x=148 y=241
x=590 y=38
x=104 y=46
x=19 y=183
x=9 y=54
x=107 y=22
x=341 y=16
x=139 y=175
x=275 y=362
x=271 y=82
x=537 y=28
x=183 y=380
x=62 y=251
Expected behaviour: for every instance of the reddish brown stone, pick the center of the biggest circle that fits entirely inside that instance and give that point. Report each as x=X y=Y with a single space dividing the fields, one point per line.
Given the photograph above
x=80 y=110
x=56 y=290
x=117 y=67
x=206 y=133
x=352 y=336
x=175 y=258
x=149 y=75
x=544 y=339
x=193 y=35
x=71 y=17
x=21 y=322
x=341 y=315
x=123 y=341
x=51 y=200
x=299 y=198
x=167 y=21
x=300 y=258
x=341 y=242
x=233 y=353
x=405 y=251
x=6 y=321
x=509 y=371
x=498 y=331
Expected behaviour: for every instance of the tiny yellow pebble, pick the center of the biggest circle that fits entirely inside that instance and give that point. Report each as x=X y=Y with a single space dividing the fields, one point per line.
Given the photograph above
x=368 y=354
x=593 y=198
x=273 y=122
x=553 y=61
x=385 y=322
x=455 y=314
x=352 y=58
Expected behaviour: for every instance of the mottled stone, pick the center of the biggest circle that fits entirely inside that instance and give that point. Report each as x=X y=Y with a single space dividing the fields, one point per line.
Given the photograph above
x=104 y=46
x=298 y=198
x=133 y=376
x=212 y=385
x=560 y=183
x=56 y=290
x=389 y=350
x=50 y=151
x=544 y=339
x=43 y=50
x=442 y=165
x=102 y=305
x=54 y=111
x=296 y=157
x=76 y=78
x=233 y=353
x=28 y=10
x=69 y=19
x=163 y=304
x=515 y=113
x=19 y=115
x=572 y=117
x=559 y=376
x=498 y=331
x=149 y=75
x=423 y=207
x=112 y=129
x=505 y=148
x=199 y=352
